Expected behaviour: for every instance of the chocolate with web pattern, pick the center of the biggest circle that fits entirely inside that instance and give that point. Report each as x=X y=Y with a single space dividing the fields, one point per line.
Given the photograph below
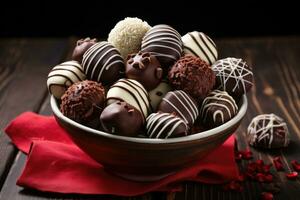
x=233 y=75
x=268 y=131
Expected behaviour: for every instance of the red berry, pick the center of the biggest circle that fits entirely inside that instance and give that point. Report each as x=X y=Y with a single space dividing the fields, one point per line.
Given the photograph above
x=278 y=163
x=292 y=175
x=266 y=196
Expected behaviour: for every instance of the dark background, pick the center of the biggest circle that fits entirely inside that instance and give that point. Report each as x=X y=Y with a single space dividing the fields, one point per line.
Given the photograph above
x=96 y=19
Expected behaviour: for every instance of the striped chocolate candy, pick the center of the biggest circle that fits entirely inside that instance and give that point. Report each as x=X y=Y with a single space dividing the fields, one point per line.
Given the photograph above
x=132 y=92
x=182 y=104
x=165 y=125
x=64 y=75
x=103 y=63
x=200 y=45
x=164 y=42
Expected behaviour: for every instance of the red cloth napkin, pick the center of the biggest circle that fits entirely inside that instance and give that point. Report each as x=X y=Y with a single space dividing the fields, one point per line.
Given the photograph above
x=56 y=164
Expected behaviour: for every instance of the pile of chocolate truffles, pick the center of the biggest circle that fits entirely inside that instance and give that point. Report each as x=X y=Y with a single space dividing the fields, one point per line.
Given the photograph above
x=149 y=82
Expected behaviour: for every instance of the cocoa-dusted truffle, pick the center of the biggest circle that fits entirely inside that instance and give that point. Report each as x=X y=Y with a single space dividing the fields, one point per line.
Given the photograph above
x=180 y=103
x=233 y=75
x=82 y=46
x=83 y=102
x=144 y=68
x=121 y=118
x=165 y=125
x=268 y=131
x=192 y=75
x=217 y=108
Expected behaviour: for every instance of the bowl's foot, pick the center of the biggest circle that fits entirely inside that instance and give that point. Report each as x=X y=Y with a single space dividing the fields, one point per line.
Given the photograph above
x=142 y=178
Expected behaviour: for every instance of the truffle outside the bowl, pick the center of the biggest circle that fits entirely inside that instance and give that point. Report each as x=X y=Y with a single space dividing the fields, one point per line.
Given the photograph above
x=145 y=159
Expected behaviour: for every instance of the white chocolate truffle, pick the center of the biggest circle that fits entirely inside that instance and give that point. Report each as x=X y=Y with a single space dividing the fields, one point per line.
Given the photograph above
x=64 y=75
x=200 y=45
x=127 y=35
x=158 y=93
x=132 y=92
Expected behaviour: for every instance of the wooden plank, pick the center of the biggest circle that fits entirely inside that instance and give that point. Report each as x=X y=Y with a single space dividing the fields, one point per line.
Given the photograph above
x=24 y=65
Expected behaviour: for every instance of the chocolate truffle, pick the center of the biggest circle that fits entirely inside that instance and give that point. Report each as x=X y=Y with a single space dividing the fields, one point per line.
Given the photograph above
x=192 y=75
x=83 y=102
x=200 y=45
x=62 y=76
x=82 y=46
x=217 y=108
x=165 y=125
x=121 y=118
x=127 y=35
x=233 y=75
x=182 y=104
x=165 y=43
x=103 y=63
x=144 y=68
x=132 y=92
x=158 y=93
x=268 y=131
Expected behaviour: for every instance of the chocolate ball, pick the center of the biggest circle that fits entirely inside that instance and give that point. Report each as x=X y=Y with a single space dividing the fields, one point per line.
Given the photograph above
x=121 y=118
x=158 y=93
x=165 y=125
x=103 y=63
x=132 y=92
x=200 y=45
x=165 y=43
x=217 y=108
x=82 y=46
x=180 y=103
x=233 y=75
x=83 y=102
x=63 y=76
x=144 y=68
x=192 y=75
x=268 y=131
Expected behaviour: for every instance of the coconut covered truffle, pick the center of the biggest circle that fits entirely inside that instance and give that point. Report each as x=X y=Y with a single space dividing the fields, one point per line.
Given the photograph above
x=127 y=35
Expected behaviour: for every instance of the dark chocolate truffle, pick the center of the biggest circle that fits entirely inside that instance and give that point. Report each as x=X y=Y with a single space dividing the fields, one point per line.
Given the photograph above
x=165 y=43
x=217 y=108
x=144 y=68
x=121 y=118
x=180 y=103
x=83 y=101
x=192 y=75
x=268 y=131
x=82 y=46
x=165 y=125
x=103 y=63
x=233 y=75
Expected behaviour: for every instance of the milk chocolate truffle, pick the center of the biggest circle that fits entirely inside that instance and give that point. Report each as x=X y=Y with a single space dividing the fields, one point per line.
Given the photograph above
x=144 y=68
x=200 y=45
x=103 y=63
x=268 y=131
x=127 y=35
x=233 y=75
x=182 y=104
x=83 y=102
x=217 y=108
x=192 y=75
x=132 y=92
x=82 y=46
x=62 y=76
x=158 y=93
x=165 y=125
x=121 y=118
x=165 y=43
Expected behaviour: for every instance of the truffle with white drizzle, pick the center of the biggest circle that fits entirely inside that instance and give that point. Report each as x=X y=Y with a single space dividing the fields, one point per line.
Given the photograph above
x=217 y=108
x=158 y=93
x=233 y=75
x=268 y=131
x=165 y=125
x=182 y=104
x=64 y=75
x=103 y=63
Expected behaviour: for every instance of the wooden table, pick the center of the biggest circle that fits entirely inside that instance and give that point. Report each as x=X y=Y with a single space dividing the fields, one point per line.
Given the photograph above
x=25 y=63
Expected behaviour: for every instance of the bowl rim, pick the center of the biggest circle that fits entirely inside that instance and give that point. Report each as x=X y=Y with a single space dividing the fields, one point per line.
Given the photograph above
x=201 y=135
